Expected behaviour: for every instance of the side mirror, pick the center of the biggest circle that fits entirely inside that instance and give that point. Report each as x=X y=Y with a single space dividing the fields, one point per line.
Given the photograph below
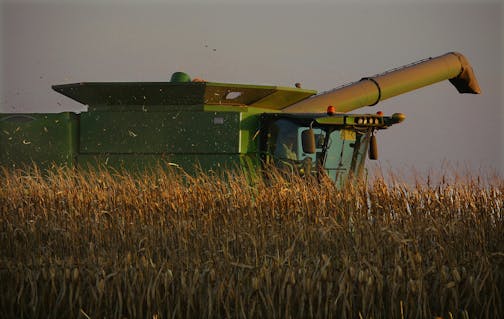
x=308 y=141
x=373 y=148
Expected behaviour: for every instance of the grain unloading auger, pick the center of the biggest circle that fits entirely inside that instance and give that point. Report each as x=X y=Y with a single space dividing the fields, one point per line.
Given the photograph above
x=369 y=91
x=215 y=126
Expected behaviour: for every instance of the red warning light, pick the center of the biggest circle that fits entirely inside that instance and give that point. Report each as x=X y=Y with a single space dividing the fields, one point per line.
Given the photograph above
x=331 y=110
x=379 y=113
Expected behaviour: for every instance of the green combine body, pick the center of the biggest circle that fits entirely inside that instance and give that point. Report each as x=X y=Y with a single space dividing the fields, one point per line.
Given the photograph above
x=211 y=126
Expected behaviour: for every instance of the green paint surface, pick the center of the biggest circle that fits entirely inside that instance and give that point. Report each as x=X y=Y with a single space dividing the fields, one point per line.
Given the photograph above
x=44 y=139
x=119 y=96
x=159 y=132
x=189 y=163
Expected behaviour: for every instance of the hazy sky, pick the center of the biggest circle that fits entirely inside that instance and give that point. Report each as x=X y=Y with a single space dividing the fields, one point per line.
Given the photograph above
x=321 y=44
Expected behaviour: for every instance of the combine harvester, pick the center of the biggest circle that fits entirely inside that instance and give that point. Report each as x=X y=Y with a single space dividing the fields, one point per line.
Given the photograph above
x=137 y=125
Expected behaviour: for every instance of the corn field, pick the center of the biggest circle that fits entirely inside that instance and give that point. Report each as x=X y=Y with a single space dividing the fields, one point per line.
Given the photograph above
x=163 y=244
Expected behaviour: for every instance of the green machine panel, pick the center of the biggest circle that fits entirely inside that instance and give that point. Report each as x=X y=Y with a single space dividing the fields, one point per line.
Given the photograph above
x=134 y=93
x=189 y=163
x=166 y=96
x=41 y=138
x=159 y=132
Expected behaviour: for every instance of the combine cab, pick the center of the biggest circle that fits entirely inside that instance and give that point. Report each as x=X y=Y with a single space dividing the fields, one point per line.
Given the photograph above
x=215 y=126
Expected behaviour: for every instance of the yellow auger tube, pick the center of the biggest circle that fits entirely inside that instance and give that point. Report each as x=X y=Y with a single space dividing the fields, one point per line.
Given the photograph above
x=452 y=66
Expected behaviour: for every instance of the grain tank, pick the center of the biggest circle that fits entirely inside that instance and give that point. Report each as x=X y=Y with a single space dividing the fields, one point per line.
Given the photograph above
x=213 y=126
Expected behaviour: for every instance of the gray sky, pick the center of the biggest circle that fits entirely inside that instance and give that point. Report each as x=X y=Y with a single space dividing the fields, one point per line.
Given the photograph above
x=321 y=44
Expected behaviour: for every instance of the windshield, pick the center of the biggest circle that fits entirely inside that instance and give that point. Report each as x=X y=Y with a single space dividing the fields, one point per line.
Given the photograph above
x=344 y=155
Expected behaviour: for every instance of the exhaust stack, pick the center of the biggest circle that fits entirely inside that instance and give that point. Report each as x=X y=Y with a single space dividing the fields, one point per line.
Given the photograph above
x=369 y=91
